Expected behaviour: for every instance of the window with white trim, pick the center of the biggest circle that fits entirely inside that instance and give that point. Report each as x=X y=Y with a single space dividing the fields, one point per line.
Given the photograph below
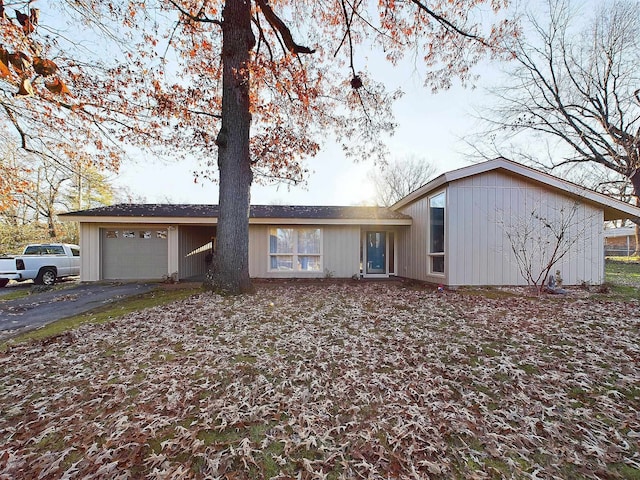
x=295 y=249
x=436 y=233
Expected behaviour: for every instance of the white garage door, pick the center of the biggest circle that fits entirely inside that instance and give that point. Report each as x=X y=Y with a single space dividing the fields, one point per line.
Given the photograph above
x=134 y=254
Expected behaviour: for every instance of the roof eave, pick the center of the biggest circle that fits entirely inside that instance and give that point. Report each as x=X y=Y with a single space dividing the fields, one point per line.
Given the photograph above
x=614 y=209
x=252 y=221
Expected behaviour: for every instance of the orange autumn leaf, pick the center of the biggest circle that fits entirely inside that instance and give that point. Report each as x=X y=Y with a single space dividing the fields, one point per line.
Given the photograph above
x=4 y=69
x=4 y=64
x=44 y=67
x=57 y=86
x=19 y=61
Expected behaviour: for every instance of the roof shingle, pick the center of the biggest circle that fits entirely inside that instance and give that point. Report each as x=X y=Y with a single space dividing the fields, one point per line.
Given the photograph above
x=256 y=211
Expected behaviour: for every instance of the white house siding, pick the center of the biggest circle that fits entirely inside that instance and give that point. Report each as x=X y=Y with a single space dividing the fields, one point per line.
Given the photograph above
x=173 y=258
x=92 y=253
x=89 y=252
x=482 y=209
x=412 y=244
x=340 y=252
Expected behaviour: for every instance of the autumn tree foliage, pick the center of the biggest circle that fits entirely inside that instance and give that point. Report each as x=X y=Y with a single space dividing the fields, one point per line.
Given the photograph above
x=54 y=95
x=251 y=87
x=261 y=84
x=41 y=189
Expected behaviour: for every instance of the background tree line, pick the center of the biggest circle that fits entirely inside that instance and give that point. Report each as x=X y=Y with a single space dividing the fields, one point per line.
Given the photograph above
x=39 y=189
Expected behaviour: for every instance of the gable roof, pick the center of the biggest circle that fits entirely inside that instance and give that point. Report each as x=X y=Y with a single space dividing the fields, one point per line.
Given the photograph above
x=260 y=214
x=613 y=209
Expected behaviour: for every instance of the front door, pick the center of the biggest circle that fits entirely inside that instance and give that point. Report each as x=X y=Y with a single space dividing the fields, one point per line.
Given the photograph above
x=376 y=249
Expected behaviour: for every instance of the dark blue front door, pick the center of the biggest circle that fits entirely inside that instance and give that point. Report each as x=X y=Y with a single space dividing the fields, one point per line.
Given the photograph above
x=376 y=252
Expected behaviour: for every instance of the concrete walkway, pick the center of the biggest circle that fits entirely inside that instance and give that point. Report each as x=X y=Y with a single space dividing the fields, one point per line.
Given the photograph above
x=39 y=309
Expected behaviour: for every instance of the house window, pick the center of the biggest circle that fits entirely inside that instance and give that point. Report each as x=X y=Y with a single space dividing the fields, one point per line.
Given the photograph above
x=295 y=250
x=436 y=233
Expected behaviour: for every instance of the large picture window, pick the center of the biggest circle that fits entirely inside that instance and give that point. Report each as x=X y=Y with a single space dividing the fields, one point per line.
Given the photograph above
x=436 y=232
x=295 y=249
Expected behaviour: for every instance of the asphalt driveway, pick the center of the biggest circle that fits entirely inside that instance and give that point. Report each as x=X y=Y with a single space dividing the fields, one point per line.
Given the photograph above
x=38 y=309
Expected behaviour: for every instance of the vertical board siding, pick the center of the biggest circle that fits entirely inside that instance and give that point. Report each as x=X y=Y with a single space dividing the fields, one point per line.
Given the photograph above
x=480 y=211
x=413 y=257
x=89 y=252
x=258 y=251
x=485 y=208
x=340 y=252
x=191 y=238
x=173 y=253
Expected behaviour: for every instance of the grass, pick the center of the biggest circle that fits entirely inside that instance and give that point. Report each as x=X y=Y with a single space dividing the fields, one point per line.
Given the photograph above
x=331 y=380
x=629 y=259
x=162 y=295
x=622 y=275
x=22 y=292
x=336 y=380
x=623 y=271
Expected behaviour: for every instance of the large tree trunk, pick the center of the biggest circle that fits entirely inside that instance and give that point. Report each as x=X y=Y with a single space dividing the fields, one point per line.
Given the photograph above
x=231 y=261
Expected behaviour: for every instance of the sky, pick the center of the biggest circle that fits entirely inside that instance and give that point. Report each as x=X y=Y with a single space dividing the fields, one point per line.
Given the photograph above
x=430 y=126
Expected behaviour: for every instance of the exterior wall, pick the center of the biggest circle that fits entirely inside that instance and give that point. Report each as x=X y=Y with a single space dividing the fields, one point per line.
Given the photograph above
x=480 y=212
x=191 y=255
x=484 y=210
x=620 y=242
x=91 y=247
x=340 y=252
x=89 y=252
x=173 y=261
x=413 y=243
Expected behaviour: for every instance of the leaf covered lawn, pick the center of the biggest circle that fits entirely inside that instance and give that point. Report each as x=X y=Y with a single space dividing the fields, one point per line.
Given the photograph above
x=332 y=380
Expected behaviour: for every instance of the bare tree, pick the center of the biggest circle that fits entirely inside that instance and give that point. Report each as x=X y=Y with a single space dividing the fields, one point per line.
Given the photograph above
x=400 y=177
x=577 y=83
x=541 y=238
x=45 y=188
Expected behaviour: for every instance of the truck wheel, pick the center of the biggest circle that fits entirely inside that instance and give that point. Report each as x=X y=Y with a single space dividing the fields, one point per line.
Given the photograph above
x=46 y=276
x=3 y=282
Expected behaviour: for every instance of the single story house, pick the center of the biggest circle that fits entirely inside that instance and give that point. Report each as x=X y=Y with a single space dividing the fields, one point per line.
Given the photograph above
x=620 y=241
x=465 y=227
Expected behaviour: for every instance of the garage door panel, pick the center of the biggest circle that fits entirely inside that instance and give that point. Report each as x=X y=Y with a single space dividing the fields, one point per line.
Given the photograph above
x=134 y=254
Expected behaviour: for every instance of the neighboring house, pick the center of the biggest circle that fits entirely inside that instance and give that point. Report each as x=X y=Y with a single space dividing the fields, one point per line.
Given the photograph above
x=620 y=241
x=459 y=229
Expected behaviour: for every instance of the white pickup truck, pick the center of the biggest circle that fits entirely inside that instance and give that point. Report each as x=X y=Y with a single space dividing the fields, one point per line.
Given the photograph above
x=42 y=263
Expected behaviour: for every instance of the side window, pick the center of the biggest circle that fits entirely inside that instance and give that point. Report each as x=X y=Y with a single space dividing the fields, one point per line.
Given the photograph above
x=32 y=250
x=437 y=206
x=75 y=251
x=56 y=250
